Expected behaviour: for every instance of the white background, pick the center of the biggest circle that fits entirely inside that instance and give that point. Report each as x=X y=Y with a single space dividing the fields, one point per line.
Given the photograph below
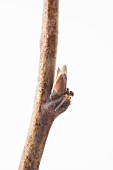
x=82 y=137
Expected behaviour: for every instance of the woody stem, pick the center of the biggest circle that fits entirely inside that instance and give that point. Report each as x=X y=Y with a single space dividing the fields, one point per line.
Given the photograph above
x=40 y=122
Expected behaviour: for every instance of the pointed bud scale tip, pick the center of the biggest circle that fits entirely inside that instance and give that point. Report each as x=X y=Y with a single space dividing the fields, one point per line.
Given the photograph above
x=64 y=69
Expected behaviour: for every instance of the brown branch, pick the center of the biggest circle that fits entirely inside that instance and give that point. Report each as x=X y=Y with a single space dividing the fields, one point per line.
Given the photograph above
x=48 y=104
x=38 y=132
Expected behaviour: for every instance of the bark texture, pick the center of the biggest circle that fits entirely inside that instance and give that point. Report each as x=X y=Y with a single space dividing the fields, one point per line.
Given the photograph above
x=40 y=121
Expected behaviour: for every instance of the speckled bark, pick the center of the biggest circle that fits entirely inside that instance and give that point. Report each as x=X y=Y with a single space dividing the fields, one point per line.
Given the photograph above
x=40 y=121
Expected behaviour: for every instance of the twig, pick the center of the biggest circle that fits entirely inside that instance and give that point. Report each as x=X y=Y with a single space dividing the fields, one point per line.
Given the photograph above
x=47 y=105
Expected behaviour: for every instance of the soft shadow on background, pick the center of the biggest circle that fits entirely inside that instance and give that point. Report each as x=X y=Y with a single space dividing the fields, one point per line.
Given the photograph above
x=82 y=137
